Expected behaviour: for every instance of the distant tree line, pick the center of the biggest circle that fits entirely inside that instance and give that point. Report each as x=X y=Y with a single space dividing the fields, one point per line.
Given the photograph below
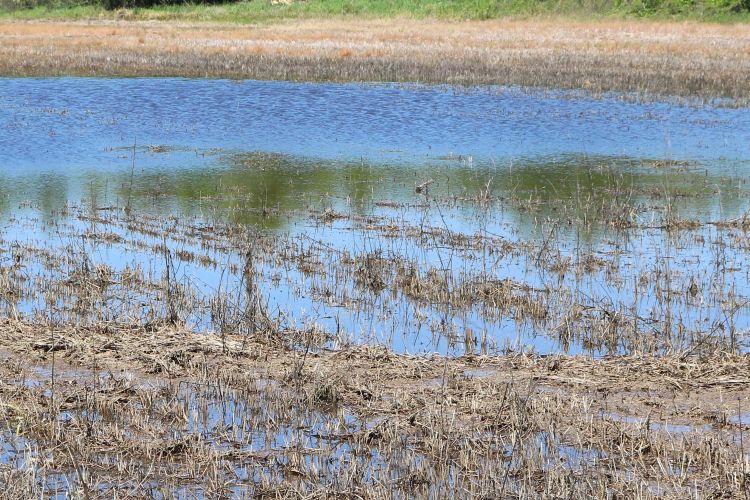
x=684 y=7
x=644 y=8
x=131 y=4
x=107 y=4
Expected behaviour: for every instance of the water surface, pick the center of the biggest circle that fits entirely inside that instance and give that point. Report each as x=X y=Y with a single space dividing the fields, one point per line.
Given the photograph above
x=579 y=182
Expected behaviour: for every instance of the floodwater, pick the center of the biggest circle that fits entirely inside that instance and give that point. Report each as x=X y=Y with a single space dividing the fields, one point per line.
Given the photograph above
x=620 y=207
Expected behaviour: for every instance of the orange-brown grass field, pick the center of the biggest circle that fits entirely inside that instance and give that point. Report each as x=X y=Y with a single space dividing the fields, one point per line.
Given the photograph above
x=680 y=59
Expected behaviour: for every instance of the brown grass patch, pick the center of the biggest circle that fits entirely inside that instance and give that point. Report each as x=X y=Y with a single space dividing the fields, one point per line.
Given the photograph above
x=657 y=58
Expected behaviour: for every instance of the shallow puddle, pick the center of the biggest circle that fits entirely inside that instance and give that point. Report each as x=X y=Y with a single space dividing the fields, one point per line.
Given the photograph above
x=479 y=373
x=671 y=428
x=741 y=420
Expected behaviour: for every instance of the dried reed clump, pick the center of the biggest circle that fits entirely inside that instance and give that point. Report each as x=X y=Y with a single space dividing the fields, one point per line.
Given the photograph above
x=738 y=223
x=372 y=271
x=504 y=297
x=507 y=296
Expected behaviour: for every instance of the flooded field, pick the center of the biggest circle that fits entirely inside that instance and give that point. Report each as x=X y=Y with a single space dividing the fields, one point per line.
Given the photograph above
x=264 y=288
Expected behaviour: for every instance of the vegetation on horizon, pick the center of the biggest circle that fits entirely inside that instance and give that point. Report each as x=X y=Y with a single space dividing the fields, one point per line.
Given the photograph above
x=273 y=10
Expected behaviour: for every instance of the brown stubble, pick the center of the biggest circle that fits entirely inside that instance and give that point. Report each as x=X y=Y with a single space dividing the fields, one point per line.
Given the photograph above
x=478 y=413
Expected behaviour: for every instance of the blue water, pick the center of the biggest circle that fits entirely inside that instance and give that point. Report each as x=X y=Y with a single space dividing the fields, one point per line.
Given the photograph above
x=69 y=125
x=264 y=154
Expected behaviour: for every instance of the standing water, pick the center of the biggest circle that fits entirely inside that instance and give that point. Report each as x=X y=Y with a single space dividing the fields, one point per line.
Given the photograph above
x=426 y=219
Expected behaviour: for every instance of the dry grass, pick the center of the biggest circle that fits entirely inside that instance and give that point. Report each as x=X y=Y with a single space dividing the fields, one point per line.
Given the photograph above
x=659 y=58
x=188 y=412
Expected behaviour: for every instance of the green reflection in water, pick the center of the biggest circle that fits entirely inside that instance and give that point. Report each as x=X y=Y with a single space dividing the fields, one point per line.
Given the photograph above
x=588 y=189
x=5 y=198
x=576 y=187
x=266 y=189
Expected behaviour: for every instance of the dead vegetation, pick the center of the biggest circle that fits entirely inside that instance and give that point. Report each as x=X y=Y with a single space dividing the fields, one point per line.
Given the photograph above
x=128 y=378
x=137 y=411
x=691 y=60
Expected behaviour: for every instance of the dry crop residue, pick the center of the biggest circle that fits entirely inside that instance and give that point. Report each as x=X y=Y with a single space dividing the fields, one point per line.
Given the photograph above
x=217 y=405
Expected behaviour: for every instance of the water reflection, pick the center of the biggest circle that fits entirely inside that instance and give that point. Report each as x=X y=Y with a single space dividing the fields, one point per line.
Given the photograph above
x=272 y=189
